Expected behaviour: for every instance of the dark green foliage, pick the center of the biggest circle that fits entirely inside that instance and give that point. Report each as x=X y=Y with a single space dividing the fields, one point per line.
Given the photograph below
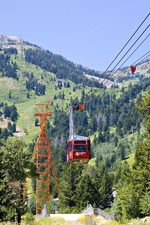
x=11 y=127
x=63 y=68
x=5 y=133
x=105 y=190
x=50 y=207
x=6 y=197
x=59 y=155
x=28 y=95
x=126 y=203
x=145 y=204
x=86 y=193
x=9 y=94
x=70 y=179
x=32 y=204
x=11 y=112
x=61 y=123
x=8 y=68
x=107 y=111
x=36 y=122
x=15 y=165
x=33 y=84
x=134 y=187
x=14 y=128
x=10 y=51
x=101 y=113
x=82 y=185
x=16 y=160
x=81 y=122
x=115 y=141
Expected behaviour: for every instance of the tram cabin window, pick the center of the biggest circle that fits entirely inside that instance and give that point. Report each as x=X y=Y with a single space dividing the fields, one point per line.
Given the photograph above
x=70 y=146
x=80 y=147
x=79 y=142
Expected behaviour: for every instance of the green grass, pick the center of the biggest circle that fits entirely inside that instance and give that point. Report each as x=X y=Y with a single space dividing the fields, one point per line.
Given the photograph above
x=130 y=158
x=53 y=221
x=92 y=162
x=26 y=107
x=10 y=85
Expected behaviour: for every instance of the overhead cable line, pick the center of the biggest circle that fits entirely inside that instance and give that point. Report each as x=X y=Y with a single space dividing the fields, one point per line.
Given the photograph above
x=144 y=59
x=133 y=53
x=122 y=49
x=140 y=62
x=126 y=43
x=127 y=51
x=136 y=62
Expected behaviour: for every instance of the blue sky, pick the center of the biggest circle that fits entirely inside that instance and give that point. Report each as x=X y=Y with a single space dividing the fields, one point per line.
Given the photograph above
x=87 y=32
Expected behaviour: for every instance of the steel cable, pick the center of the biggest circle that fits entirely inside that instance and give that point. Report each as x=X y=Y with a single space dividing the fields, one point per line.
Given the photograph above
x=128 y=50
x=123 y=49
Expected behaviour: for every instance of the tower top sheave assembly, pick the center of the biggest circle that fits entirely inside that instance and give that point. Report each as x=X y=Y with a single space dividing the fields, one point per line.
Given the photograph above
x=43 y=110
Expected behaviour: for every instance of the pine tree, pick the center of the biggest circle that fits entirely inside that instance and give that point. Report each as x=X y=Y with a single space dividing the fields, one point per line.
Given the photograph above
x=141 y=168
x=134 y=190
x=36 y=122
x=126 y=205
x=14 y=128
x=86 y=193
x=144 y=108
x=9 y=126
x=5 y=133
x=105 y=190
x=70 y=179
x=15 y=165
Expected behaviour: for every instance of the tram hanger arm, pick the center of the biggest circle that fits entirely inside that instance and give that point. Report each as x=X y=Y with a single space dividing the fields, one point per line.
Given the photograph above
x=78 y=106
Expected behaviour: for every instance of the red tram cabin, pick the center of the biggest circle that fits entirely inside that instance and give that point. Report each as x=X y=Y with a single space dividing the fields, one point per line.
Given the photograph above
x=78 y=147
x=78 y=150
x=133 y=68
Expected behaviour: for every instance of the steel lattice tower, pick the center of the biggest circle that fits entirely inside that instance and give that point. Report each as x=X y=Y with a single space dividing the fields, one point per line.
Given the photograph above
x=43 y=157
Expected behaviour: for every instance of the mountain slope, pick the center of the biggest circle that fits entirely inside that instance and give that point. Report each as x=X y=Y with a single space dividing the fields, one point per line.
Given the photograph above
x=38 y=77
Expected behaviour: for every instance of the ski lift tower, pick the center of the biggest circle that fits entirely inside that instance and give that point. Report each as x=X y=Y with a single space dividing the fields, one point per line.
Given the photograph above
x=43 y=158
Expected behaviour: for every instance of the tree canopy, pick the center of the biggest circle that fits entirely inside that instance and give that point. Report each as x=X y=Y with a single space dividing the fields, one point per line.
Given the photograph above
x=133 y=192
x=15 y=166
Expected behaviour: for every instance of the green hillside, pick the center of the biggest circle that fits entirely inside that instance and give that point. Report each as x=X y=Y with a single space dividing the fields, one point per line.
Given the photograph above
x=26 y=105
x=31 y=72
x=16 y=91
x=111 y=120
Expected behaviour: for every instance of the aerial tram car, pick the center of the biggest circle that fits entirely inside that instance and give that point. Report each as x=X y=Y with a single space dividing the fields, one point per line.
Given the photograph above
x=78 y=147
x=133 y=68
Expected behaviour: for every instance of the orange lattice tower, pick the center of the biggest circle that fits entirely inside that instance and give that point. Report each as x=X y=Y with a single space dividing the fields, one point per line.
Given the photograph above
x=43 y=157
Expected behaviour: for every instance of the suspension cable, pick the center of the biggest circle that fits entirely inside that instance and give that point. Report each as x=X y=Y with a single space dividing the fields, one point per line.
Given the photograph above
x=144 y=59
x=122 y=50
x=126 y=43
x=136 y=62
x=133 y=53
x=128 y=51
